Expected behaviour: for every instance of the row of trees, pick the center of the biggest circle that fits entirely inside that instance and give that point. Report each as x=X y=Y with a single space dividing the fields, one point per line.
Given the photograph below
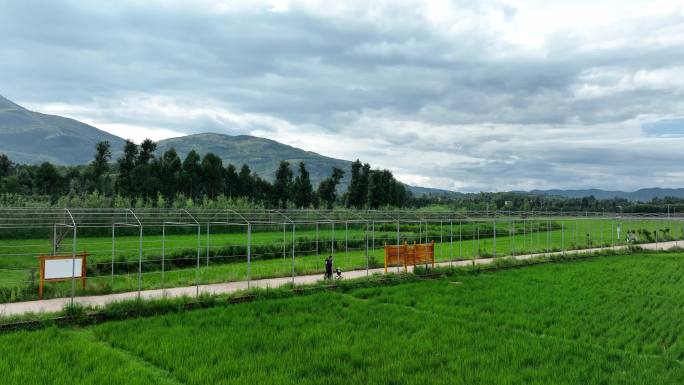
x=139 y=177
x=374 y=188
x=519 y=201
x=139 y=174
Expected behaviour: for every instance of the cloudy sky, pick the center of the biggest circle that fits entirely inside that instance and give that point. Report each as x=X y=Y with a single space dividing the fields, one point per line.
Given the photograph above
x=462 y=95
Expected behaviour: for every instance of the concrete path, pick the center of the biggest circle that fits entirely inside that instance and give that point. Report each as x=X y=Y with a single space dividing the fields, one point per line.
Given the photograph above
x=56 y=304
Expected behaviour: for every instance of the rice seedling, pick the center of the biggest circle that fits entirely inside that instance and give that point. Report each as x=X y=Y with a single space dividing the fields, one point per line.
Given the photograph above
x=605 y=320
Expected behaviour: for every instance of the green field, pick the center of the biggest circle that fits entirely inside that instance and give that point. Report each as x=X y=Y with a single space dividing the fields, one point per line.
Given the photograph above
x=606 y=320
x=18 y=255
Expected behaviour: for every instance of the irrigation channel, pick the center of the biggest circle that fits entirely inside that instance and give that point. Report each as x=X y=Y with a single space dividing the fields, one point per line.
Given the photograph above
x=132 y=250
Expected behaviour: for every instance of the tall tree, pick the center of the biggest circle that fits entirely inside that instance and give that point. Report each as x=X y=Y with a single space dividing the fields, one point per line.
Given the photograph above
x=5 y=165
x=376 y=192
x=327 y=189
x=363 y=183
x=103 y=154
x=168 y=169
x=355 y=191
x=48 y=181
x=124 y=181
x=303 y=191
x=283 y=184
x=262 y=191
x=212 y=175
x=399 y=194
x=99 y=167
x=384 y=190
x=387 y=179
x=145 y=183
x=245 y=182
x=147 y=148
x=192 y=171
x=230 y=182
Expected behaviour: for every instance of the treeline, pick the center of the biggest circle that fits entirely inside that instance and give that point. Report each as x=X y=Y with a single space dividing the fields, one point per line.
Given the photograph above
x=139 y=177
x=515 y=201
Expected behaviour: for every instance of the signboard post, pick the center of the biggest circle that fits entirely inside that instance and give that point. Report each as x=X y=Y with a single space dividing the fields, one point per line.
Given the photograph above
x=58 y=268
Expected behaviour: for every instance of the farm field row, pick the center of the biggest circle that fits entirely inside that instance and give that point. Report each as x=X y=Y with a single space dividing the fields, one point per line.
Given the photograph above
x=352 y=259
x=309 y=263
x=21 y=253
x=606 y=320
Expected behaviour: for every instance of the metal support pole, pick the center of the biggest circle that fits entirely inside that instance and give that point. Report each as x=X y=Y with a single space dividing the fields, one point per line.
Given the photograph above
x=367 y=256
x=441 y=240
x=113 y=254
x=317 y=252
x=140 y=255
x=612 y=233
x=420 y=232
x=346 y=240
x=207 y=245
x=293 y=254
x=54 y=239
x=563 y=237
x=472 y=242
x=512 y=232
x=73 y=267
x=249 y=254
x=582 y=231
x=478 y=239
x=548 y=233
x=451 y=243
x=332 y=241
x=460 y=240
x=199 y=248
x=163 y=253
x=494 y=229
x=398 y=244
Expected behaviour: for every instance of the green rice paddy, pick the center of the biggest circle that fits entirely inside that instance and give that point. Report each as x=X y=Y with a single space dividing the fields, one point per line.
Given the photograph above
x=605 y=320
x=172 y=260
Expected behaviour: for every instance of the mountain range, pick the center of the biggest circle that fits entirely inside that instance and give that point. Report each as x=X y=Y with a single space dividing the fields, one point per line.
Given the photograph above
x=32 y=138
x=641 y=195
x=262 y=155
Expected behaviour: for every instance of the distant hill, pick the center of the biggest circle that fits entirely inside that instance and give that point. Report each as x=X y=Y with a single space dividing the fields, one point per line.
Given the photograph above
x=32 y=137
x=260 y=154
x=417 y=191
x=642 y=195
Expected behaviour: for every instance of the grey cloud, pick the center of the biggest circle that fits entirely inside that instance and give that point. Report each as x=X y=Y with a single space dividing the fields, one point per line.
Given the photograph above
x=339 y=74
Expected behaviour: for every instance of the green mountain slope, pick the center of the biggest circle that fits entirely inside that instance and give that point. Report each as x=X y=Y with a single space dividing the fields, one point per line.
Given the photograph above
x=32 y=137
x=260 y=154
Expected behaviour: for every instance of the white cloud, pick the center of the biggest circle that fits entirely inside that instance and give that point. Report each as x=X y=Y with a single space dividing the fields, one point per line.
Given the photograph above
x=491 y=95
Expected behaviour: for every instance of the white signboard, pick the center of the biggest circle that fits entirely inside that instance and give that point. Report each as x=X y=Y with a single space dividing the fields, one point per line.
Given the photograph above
x=62 y=268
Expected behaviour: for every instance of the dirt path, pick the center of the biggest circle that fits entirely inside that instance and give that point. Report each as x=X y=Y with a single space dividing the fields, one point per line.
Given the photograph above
x=56 y=304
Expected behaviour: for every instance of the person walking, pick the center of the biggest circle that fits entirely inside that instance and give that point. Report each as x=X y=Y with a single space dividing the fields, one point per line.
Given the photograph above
x=328 y=268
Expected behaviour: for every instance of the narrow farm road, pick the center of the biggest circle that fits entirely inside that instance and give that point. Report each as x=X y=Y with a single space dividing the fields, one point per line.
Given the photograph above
x=56 y=304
